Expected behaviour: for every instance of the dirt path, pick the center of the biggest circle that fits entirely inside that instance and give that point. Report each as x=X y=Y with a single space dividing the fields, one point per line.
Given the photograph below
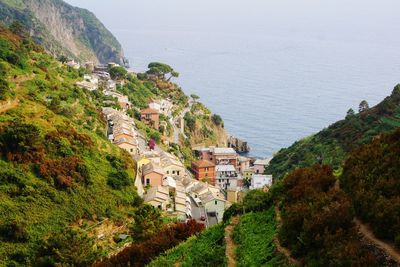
x=5 y=106
x=230 y=244
x=279 y=247
x=388 y=248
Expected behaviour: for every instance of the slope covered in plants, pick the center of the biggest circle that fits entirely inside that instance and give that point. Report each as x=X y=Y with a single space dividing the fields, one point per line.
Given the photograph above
x=371 y=179
x=58 y=171
x=331 y=145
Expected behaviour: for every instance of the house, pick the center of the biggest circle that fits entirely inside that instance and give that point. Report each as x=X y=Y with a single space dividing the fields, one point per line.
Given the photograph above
x=219 y=155
x=152 y=175
x=158 y=196
x=235 y=196
x=87 y=85
x=171 y=165
x=111 y=85
x=150 y=117
x=259 y=181
x=127 y=143
x=163 y=106
x=227 y=177
x=260 y=165
x=204 y=171
x=244 y=164
x=123 y=100
x=214 y=205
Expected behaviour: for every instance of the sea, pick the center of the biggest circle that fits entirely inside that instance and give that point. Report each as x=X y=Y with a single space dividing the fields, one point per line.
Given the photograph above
x=275 y=70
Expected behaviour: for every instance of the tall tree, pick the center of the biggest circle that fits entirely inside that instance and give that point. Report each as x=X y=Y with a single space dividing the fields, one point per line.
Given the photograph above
x=363 y=106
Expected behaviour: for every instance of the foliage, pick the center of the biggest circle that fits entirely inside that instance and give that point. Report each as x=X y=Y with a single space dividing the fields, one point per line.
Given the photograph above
x=371 y=179
x=118 y=73
x=254 y=236
x=317 y=221
x=142 y=253
x=161 y=69
x=147 y=222
x=69 y=247
x=331 y=145
x=54 y=168
x=206 y=249
x=217 y=120
x=255 y=200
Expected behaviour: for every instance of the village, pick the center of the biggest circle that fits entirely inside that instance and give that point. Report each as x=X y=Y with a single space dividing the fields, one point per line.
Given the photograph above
x=218 y=177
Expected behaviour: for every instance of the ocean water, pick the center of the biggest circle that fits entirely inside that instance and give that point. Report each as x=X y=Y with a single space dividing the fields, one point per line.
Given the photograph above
x=275 y=70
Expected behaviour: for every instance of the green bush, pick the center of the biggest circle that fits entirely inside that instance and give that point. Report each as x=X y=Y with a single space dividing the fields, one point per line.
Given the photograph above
x=119 y=180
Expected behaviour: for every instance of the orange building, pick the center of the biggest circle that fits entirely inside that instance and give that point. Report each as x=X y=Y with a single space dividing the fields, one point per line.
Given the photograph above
x=150 y=117
x=204 y=170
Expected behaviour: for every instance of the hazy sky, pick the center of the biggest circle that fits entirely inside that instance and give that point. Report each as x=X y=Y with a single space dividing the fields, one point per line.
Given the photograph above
x=353 y=20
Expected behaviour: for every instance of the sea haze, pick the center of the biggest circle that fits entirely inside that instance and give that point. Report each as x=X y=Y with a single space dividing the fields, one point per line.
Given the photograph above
x=275 y=70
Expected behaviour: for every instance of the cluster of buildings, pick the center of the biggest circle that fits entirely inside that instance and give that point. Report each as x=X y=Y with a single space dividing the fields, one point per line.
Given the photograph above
x=121 y=130
x=218 y=178
x=231 y=173
x=171 y=187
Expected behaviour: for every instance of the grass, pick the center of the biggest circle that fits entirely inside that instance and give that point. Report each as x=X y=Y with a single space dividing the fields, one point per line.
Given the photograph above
x=206 y=249
x=255 y=238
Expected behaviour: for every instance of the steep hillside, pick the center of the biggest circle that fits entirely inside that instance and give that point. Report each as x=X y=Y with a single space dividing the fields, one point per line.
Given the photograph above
x=63 y=29
x=61 y=181
x=371 y=179
x=331 y=145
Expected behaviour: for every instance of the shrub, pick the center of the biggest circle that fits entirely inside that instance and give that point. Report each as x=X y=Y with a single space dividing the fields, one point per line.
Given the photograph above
x=118 y=180
x=21 y=142
x=142 y=253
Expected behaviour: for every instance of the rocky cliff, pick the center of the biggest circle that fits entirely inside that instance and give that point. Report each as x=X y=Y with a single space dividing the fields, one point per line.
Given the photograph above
x=63 y=29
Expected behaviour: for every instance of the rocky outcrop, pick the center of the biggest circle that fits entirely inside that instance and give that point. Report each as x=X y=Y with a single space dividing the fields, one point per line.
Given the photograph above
x=63 y=29
x=239 y=145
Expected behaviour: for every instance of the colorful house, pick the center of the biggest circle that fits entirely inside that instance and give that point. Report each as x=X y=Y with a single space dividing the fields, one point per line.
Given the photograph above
x=204 y=171
x=150 y=117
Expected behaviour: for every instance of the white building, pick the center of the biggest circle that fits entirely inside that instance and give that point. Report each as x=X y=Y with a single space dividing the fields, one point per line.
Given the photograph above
x=259 y=181
x=226 y=177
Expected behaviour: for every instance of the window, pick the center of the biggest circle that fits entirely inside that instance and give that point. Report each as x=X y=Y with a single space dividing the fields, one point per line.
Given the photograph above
x=206 y=169
x=173 y=172
x=216 y=202
x=177 y=172
x=206 y=174
x=167 y=172
x=147 y=181
x=131 y=149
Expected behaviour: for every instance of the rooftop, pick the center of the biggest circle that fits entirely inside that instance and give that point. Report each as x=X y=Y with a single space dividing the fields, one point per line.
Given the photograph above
x=225 y=168
x=262 y=161
x=224 y=150
x=149 y=111
x=203 y=164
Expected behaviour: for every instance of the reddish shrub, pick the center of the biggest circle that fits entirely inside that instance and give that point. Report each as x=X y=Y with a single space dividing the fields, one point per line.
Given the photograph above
x=142 y=253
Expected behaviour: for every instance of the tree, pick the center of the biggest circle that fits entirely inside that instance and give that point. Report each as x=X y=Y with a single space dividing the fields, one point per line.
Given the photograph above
x=118 y=73
x=195 y=97
x=63 y=59
x=217 y=120
x=67 y=248
x=147 y=222
x=363 y=106
x=350 y=112
x=161 y=69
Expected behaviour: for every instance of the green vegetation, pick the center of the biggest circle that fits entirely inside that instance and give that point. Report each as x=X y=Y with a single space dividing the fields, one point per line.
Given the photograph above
x=58 y=172
x=206 y=249
x=331 y=145
x=371 y=179
x=161 y=69
x=317 y=221
x=254 y=236
x=118 y=73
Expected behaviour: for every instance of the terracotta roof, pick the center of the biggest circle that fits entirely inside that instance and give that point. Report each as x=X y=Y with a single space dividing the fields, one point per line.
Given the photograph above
x=149 y=111
x=203 y=163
